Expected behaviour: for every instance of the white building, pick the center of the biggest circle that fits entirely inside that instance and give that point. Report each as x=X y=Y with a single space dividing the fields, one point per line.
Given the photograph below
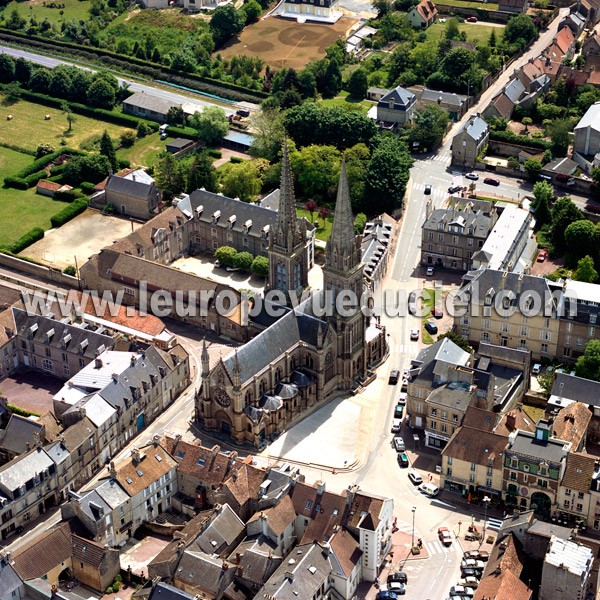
x=566 y=571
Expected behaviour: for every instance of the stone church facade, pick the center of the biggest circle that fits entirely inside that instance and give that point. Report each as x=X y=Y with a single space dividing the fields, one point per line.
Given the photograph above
x=301 y=359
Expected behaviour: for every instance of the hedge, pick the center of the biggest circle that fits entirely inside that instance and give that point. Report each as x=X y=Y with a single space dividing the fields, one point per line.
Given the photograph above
x=521 y=140
x=68 y=196
x=32 y=236
x=69 y=212
x=184 y=132
x=16 y=182
x=87 y=187
x=147 y=68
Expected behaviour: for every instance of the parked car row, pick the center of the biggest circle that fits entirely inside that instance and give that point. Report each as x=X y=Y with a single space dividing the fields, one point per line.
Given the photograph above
x=471 y=569
x=395 y=586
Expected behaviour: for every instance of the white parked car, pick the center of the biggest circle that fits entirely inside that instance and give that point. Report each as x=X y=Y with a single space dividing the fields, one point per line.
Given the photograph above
x=396 y=425
x=470 y=581
x=399 y=444
x=415 y=477
x=536 y=369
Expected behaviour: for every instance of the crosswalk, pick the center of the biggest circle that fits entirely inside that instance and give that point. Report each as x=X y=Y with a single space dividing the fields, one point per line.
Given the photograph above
x=494 y=523
x=436 y=547
x=437 y=192
x=443 y=157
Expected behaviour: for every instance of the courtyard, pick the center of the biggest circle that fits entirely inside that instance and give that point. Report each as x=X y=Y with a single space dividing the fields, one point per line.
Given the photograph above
x=284 y=43
x=82 y=237
x=31 y=390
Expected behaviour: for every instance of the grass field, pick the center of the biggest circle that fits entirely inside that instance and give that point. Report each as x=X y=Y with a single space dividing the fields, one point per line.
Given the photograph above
x=476 y=33
x=323 y=229
x=469 y=4
x=28 y=128
x=22 y=210
x=144 y=152
x=427 y=303
x=284 y=43
x=344 y=100
x=74 y=10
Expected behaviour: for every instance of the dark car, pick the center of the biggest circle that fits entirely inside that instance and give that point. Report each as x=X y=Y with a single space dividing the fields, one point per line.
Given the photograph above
x=431 y=327
x=387 y=595
x=471 y=19
x=469 y=572
x=394 y=376
x=398 y=411
x=491 y=181
x=399 y=576
x=454 y=188
x=403 y=462
x=428 y=189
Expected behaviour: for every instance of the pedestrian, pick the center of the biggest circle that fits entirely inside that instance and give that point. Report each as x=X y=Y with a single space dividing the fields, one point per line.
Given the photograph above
x=430 y=477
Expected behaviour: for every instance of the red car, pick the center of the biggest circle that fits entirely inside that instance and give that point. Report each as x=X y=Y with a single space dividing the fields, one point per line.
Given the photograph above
x=445 y=536
x=471 y=19
x=541 y=257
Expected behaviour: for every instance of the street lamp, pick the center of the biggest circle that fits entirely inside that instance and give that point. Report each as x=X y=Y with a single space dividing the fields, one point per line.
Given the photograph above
x=414 y=508
x=486 y=500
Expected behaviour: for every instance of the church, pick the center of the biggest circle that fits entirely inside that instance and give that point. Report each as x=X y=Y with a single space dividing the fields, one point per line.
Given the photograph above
x=298 y=360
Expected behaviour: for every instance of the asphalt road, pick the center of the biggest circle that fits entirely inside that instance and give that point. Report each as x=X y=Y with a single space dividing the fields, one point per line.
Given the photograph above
x=134 y=86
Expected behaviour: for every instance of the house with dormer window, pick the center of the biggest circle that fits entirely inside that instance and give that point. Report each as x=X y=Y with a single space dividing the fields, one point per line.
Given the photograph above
x=396 y=108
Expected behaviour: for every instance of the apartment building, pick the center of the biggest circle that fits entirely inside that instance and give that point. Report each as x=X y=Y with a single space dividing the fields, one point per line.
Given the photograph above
x=509 y=309
x=470 y=141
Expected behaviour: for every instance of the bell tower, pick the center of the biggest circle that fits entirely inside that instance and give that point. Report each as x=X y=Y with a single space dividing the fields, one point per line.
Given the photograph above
x=288 y=251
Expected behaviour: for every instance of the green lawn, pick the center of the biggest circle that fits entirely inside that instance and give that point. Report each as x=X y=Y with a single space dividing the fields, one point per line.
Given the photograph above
x=74 y=10
x=470 y=4
x=22 y=210
x=144 y=153
x=28 y=127
x=323 y=228
x=476 y=33
x=428 y=303
x=344 y=100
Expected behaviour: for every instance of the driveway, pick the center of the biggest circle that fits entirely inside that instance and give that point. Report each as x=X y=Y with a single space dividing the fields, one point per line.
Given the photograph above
x=80 y=238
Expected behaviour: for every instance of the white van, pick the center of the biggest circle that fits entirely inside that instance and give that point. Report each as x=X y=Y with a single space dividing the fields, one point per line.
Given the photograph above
x=429 y=489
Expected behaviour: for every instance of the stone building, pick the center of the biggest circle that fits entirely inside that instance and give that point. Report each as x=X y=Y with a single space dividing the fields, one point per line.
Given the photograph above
x=300 y=359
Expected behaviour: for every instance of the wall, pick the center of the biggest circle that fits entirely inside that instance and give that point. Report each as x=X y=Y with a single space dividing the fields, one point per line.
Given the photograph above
x=46 y=273
x=508 y=149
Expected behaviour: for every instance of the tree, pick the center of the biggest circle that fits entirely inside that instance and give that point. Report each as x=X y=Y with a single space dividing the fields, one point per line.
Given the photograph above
x=201 y=173
x=527 y=121
x=596 y=175
x=184 y=60
x=66 y=110
x=268 y=130
x=170 y=176
x=311 y=206
x=357 y=161
x=513 y=163
x=243 y=260
x=7 y=68
x=80 y=83
x=211 y=124
x=225 y=255
x=127 y=138
x=332 y=82
x=452 y=32
x=564 y=212
x=316 y=169
x=101 y=94
x=580 y=236
x=43 y=150
x=225 y=22
x=382 y=7
x=520 y=30
x=585 y=270
x=40 y=81
x=543 y=189
x=60 y=82
x=176 y=116
x=360 y=222
x=23 y=70
x=252 y=9
x=559 y=134
x=242 y=181
x=543 y=214
x=107 y=149
x=15 y=21
x=493 y=41
x=457 y=339
x=428 y=127
x=533 y=167
x=323 y=213
x=260 y=266
x=358 y=84
x=588 y=365
x=387 y=174
x=92 y=167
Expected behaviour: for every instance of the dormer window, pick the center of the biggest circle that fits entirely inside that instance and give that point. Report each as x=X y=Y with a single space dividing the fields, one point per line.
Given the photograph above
x=216 y=215
x=247 y=225
x=231 y=221
x=199 y=210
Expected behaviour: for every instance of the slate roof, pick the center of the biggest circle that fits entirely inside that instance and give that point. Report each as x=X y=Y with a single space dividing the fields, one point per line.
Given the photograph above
x=258 y=559
x=480 y=223
x=570 y=387
x=224 y=529
x=310 y=571
x=49 y=332
x=164 y=591
x=21 y=469
x=179 y=144
x=402 y=98
x=262 y=350
x=208 y=465
x=579 y=471
x=443 y=350
x=150 y=102
x=591 y=118
x=9 y=580
x=150 y=467
x=525 y=444
x=78 y=433
x=21 y=434
x=514 y=90
x=369 y=506
x=128 y=187
x=448 y=98
x=44 y=553
x=563 y=165
x=200 y=570
x=326 y=511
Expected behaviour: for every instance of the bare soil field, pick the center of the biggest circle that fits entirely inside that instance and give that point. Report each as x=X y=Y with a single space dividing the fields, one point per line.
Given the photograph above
x=286 y=43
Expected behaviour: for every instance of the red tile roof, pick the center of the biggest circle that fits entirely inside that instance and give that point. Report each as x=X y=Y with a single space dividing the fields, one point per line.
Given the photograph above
x=564 y=39
x=44 y=184
x=427 y=10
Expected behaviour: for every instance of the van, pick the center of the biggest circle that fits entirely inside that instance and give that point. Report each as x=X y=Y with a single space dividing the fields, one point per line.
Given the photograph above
x=429 y=489
x=394 y=376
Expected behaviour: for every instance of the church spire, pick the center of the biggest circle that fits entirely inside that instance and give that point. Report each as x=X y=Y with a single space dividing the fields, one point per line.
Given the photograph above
x=237 y=383
x=287 y=232
x=205 y=360
x=343 y=248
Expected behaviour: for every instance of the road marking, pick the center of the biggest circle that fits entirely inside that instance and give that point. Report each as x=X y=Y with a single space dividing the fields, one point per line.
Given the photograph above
x=441 y=503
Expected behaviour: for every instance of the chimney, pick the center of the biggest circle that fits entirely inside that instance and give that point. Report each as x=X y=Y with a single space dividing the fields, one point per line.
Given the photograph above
x=180 y=547
x=112 y=471
x=289 y=575
x=156 y=439
x=326 y=548
x=225 y=566
x=98 y=363
x=240 y=571
x=215 y=450
x=115 y=377
x=511 y=421
x=238 y=558
x=82 y=411
x=320 y=488
x=135 y=456
x=133 y=360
